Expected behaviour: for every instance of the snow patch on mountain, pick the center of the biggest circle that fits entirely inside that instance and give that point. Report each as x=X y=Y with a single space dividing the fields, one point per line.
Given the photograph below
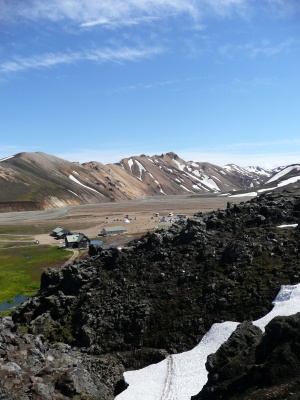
x=141 y=169
x=258 y=170
x=179 y=165
x=72 y=192
x=81 y=184
x=283 y=173
x=185 y=188
x=130 y=163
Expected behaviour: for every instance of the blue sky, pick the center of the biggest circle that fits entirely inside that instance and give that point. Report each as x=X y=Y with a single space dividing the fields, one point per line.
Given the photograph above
x=212 y=80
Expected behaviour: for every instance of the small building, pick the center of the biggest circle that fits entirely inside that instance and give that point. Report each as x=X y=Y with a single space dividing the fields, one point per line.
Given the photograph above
x=77 y=240
x=114 y=230
x=60 y=233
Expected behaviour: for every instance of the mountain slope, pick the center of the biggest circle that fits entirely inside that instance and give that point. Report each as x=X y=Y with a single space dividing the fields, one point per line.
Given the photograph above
x=39 y=180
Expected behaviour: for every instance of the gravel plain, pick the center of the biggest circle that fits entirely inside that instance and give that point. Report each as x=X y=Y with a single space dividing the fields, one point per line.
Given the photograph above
x=91 y=218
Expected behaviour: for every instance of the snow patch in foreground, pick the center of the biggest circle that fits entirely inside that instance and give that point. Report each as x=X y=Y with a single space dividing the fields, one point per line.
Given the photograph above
x=181 y=376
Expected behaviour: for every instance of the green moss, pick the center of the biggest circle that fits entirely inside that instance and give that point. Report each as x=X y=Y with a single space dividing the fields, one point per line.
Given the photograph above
x=5 y=313
x=21 y=268
x=57 y=334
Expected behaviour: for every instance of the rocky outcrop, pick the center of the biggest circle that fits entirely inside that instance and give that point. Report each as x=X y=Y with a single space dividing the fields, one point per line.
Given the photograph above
x=125 y=309
x=31 y=368
x=255 y=365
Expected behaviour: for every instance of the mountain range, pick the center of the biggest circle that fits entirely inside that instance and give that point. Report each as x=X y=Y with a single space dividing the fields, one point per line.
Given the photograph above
x=31 y=181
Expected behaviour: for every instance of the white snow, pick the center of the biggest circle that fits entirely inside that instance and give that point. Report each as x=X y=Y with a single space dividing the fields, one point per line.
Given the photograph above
x=258 y=170
x=130 y=163
x=169 y=169
x=250 y=194
x=72 y=192
x=141 y=168
x=266 y=190
x=185 y=188
x=75 y=172
x=287 y=226
x=179 y=165
x=222 y=172
x=149 y=159
x=288 y=181
x=287 y=302
x=158 y=184
x=284 y=172
x=181 y=376
x=177 y=180
x=232 y=167
x=196 y=172
x=196 y=187
x=213 y=176
x=210 y=183
x=205 y=180
x=6 y=158
x=81 y=184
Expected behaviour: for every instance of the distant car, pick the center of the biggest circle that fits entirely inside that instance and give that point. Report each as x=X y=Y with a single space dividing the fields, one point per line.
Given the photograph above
x=170 y=214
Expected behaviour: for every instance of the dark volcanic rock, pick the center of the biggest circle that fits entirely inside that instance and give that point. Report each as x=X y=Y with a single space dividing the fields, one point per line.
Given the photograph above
x=255 y=365
x=125 y=309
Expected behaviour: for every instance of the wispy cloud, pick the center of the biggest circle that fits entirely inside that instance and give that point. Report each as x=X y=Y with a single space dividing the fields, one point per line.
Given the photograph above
x=87 y=11
x=94 y=12
x=105 y=22
x=253 y=50
x=268 y=49
x=154 y=85
x=242 y=86
x=96 y=55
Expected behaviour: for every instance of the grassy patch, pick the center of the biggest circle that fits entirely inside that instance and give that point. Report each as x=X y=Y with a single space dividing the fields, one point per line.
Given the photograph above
x=21 y=268
x=5 y=245
x=26 y=229
x=12 y=238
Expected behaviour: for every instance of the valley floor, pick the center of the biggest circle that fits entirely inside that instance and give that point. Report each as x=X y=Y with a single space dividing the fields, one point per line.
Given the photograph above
x=91 y=218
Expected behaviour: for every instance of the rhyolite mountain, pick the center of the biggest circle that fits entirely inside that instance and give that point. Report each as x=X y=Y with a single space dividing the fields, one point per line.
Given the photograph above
x=126 y=308
x=32 y=181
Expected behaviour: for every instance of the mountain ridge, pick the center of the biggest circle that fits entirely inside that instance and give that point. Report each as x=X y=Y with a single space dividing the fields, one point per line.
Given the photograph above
x=40 y=180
